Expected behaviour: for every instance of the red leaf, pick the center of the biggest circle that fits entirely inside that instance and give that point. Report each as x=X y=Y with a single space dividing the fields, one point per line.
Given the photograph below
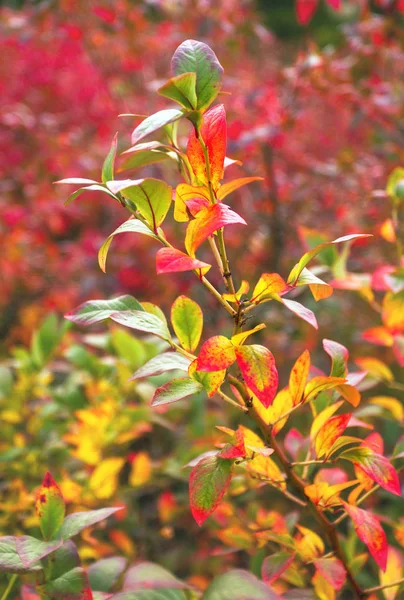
x=171 y=260
x=332 y=570
x=235 y=448
x=305 y=10
x=257 y=365
x=335 y=4
x=207 y=485
x=370 y=532
x=216 y=354
x=214 y=133
x=207 y=222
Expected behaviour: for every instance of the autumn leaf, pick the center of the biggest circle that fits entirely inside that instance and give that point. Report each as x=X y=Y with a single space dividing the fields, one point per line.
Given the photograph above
x=208 y=483
x=339 y=358
x=258 y=368
x=231 y=186
x=329 y=434
x=298 y=377
x=305 y=10
x=185 y=193
x=235 y=448
x=50 y=507
x=104 y=480
x=375 y=466
x=268 y=285
x=332 y=570
x=187 y=322
x=216 y=354
x=211 y=382
x=319 y=384
x=213 y=133
x=208 y=221
x=171 y=260
x=370 y=532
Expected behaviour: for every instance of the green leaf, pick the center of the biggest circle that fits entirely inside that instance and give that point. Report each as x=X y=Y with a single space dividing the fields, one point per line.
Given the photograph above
x=109 y=163
x=142 y=321
x=154 y=122
x=65 y=559
x=182 y=89
x=31 y=550
x=395 y=185
x=72 y=585
x=187 y=321
x=130 y=226
x=152 y=198
x=45 y=340
x=150 y=595
x=76 y=522
x=238 y=585
x=104 y=573
x=148 y=575
x=196 y=57
x=94 y=311
x=90 y=188
x=339 y=358
x=141 y=158
x=208 y=483
x=50 y=507
x=175 y=390
x=162 y=363
x=10 y=560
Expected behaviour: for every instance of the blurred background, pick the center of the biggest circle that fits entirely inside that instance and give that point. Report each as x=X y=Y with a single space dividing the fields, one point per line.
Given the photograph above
x=316 y=108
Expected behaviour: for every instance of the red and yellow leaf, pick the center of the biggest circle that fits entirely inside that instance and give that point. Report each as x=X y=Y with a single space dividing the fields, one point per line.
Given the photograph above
x=268 y=285
x=329 y=434
x=208 y=483
x=257 y=365
x=214 y=134
x=210 y=381
x=231 y=186
x=216 y=354
x=171 y=260
x=207 y=221
x=50 y=507
x=298 y=377
x=185 y=193
x=374 y=465
x=370 y=532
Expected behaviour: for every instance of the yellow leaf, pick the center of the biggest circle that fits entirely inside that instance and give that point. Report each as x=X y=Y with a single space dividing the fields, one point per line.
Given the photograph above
x=141 y=469
x=309 y=545
x=240 y=338
x=375 y=368
x=393 y=573
x=323 y=589
x=104 y=480
x=391 y=404
x=323 y=418
x=243 y=289
x=298 y=377
x=265 y=468
x=268 y=285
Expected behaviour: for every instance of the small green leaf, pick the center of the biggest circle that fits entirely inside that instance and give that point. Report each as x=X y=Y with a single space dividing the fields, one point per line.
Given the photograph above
x=182 y=89
x=12 y=562
x=155 y=122
x=238 y=585
x=140 y=320
x=76 y=522
x=196 y=57
x=175 y=390
x=95 y=311
x=31 y=550
x=50 y=507
x=104 y=573
x=65 y=559
x=162 y=363
x=148 y=575
x=187 y=321
x=152 y=198
x=109 y=163
x=72 y=585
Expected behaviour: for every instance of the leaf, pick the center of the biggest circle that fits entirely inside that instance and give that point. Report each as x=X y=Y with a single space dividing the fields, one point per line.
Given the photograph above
x=187 y=322
x=326 y=496
x=182 y=89
x=65 y=559
x=305 y=10
x=301 y=311
x=257 y=366
x=185 y=193
x=339 y=357
x=75 y=180
x=164 y=594
x=214 y=134
x=208 y=482
x=162 y=363
x=30 y=550
x=210 y=381
x=155 y=122
x=142 y=321
x=374 y=465
x=298 y=377
x=240 y=338
x=393 y=573
x=273 y=566
x=72 y=585
x=141 y=469
x=152 y=198
x=196 y=57
x=238 y=585
x=370 y=532
x=319 y=384
x=104 y=573
x=94 y=311
x=174 y=390
x=170 y=260
x=208 y=221
x=130 y=226
x=235 y=448
x=109 y=163
x=104 y=479
x=268 y=285
x=306 y=258
x=236 y=297
x=146 y=575
x=322 y=418
x=323 y=589
x=332 y=570
x=96 y=187
x=50 y=507
x=76 y=522
x=10 y=561
x=329 y=433
x=231 y=186
x=216 y=354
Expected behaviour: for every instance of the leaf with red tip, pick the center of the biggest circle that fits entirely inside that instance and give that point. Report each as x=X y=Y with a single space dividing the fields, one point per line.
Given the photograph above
x=329 y=434
x=235 y=448
x=50 y=507
x=187 y=321
x=268 y=285
x=208 y=221
x=305 y=10
x=171 y=260
x=258 y=368
x=376 y=466
x=231 y=186
x=301 y=311
x=214 y=133
x=275 y=565
x=216 y=354
x=370 y=532
x=332 y=570
x=208 y=483
x=298 y=377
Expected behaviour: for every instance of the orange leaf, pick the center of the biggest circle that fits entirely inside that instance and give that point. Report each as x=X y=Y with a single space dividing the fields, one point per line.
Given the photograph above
x=213 y=132
x=257 y=365
x=207 y=221
x=268 y=285
x=185 y=193
x=370 y=532
x=210 y=381
x=332 y=570
x=216 y=354
x=298 y=377
x=329 y=434
x=231 y=186
x=171 y=260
